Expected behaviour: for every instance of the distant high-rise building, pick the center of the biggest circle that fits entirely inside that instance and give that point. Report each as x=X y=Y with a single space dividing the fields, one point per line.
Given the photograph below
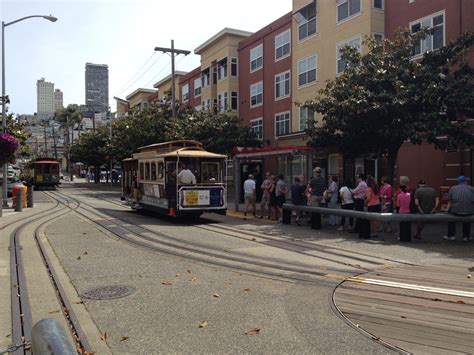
x=58 y=100
x=97 y=87
x=45 y=98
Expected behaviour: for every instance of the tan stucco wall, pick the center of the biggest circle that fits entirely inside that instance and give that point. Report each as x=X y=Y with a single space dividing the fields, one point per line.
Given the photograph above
x=329 y=33
x=138 y=98
x=224 y=47
x=166 y=86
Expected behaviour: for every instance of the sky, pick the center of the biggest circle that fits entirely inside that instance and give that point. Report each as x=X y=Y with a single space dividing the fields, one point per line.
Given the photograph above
x=119 y=33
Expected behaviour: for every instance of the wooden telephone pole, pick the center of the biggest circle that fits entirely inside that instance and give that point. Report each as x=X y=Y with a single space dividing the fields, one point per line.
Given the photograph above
x=173 y=51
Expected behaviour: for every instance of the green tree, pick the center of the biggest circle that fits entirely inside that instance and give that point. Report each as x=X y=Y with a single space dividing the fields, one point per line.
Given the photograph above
x=69 y=118
x=386 y=97
x=218 y=133
x=92 y=148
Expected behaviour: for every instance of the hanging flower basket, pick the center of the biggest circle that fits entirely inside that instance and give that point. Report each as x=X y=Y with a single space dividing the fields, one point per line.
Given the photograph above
x=8 y=147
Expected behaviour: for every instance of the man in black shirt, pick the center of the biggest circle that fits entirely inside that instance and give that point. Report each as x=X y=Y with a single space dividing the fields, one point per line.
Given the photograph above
x=317 y=185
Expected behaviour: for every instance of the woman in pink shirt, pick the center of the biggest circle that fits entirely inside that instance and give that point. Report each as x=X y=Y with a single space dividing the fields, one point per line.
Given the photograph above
x=386 y=201
x=373 y=201
x=403 y=202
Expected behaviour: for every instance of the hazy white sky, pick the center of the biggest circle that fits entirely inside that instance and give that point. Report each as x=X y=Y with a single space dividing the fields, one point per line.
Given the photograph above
x=120 y=33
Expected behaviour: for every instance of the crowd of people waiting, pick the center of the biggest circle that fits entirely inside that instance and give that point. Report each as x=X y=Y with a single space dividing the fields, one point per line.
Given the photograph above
x=367 y=195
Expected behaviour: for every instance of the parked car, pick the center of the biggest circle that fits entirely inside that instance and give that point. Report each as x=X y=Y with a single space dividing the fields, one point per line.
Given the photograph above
x=13 y=181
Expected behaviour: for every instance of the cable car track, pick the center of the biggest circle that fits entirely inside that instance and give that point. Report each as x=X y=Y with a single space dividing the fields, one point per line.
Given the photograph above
x=275 y=266
x=226 y=230
x=22 y=323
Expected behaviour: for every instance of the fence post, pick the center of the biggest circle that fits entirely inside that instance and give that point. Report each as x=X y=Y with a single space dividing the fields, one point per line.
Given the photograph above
x=405 y=231
x=287 y=216
x=315 y=220
x=364 y=228
x=18 y=204
x=30 y=196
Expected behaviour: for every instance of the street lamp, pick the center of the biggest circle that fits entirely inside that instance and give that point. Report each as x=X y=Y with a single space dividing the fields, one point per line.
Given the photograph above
x=4 y=117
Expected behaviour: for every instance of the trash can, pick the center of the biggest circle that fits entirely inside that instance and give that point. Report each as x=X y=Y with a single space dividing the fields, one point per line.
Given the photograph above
x=23 y=190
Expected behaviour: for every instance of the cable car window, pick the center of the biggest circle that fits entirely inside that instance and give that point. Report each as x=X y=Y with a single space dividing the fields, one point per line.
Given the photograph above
x=54 y=168
x=142 y=171
x=210 y=172
x=160 y=170
x=147 y=171
x=153 y=171
x=47 y=168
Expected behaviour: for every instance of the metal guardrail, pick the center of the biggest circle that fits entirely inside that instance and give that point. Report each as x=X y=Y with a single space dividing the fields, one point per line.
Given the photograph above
x=49 y=337
x=366 y=217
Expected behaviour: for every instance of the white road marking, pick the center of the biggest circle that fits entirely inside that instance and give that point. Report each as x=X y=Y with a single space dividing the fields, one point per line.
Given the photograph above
x=444 y=291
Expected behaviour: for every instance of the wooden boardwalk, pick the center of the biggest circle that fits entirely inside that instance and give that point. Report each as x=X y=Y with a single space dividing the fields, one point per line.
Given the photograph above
x=420 y=309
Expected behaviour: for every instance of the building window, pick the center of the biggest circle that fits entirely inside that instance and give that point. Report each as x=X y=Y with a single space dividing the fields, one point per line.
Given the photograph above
x=233 y=67
x=206 y=104
x=307 y=70
x=378 y=4
x=222 y=101
x=256 y=58
x=282 y=85
x=234 y=100
x=222 y=69
x=282 y=123
x=282 y=44
x=205 y=77
x=347 y=8
x=431 y=41
x=256 y=126
x=378 y=37
x=306 y=117
x=306 y=19
x=197 y=87
x=214 y=74
x=185 y=93
x=341 y=63
x=256 y=94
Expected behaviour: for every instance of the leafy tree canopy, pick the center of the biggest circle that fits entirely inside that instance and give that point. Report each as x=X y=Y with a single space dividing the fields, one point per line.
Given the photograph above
x=386 y=97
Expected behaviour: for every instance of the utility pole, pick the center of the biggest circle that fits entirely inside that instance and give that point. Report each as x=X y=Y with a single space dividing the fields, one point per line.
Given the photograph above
x=45 y=142
x=173 y=51
x=55 y=147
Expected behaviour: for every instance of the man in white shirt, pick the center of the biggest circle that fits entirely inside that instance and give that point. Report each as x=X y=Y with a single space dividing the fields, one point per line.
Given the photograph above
x=249 y=195
x=185 y=176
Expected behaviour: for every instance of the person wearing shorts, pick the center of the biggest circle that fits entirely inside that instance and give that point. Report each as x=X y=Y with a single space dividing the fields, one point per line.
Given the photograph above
x=265 y=203
x=249 y=195
x=280 y=192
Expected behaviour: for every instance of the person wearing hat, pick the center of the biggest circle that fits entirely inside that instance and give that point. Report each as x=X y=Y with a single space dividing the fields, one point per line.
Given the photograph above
x=317 y=185
x=426 y=201
x=249 y=195
x=460 y=203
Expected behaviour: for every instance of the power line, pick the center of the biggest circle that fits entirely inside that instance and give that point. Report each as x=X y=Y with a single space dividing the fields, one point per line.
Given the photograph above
x=158 y=74
x=130 y=83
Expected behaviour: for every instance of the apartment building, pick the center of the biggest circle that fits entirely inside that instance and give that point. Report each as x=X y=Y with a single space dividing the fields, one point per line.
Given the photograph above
x=450 y=19
x=140 y=98
x=190 y=90
x=219 y=70
x=97 y=87
x=58 y=100
x=164 y=86
x=45 y=98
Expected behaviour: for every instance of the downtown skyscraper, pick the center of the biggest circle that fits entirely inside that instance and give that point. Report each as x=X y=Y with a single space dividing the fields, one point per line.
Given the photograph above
x=97 y=87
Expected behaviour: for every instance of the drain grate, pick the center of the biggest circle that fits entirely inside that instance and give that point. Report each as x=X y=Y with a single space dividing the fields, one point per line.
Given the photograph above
x=108 y=292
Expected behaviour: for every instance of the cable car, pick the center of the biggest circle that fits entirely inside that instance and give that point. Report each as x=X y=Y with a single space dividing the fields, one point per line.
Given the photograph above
x=44 y=172
x=153 y=179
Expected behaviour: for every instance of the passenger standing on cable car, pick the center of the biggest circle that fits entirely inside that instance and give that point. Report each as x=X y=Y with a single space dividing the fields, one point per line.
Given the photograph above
x=186 y=176
x=136 y=188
